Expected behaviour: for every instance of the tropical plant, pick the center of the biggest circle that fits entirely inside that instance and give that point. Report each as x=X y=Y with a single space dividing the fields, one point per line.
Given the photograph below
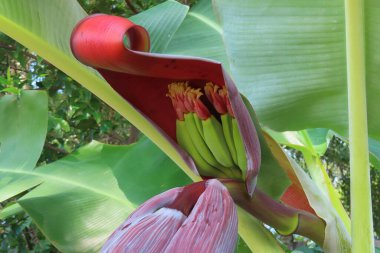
x=288 y=58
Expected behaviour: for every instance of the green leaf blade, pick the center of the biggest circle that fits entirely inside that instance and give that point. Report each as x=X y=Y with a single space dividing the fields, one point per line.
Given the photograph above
x=200 y=35
x=288 y=58
x=86 y=195
x=23 y=127
x=160 y=38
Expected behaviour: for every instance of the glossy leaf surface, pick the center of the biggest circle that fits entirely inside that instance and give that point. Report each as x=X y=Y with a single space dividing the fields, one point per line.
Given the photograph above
x=200 y=35
x=23 y=127
x=288 y=58
x=86 y=195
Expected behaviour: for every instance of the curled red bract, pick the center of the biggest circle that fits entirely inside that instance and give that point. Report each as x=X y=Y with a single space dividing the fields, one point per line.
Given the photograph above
x=118 y=49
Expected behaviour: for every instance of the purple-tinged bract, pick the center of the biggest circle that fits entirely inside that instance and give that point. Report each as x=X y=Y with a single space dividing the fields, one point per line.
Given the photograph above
x=200 y=217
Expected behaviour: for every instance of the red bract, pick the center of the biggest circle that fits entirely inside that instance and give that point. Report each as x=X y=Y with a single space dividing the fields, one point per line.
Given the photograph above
x=142 y=78
x=197 y=218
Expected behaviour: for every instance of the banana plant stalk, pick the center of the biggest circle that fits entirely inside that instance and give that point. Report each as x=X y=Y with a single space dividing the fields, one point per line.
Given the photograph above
x=361 y=207
x=119 y=50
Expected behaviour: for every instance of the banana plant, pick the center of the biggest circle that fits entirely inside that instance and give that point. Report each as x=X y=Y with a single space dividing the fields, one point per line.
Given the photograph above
x=270 y=84
x=210 y=144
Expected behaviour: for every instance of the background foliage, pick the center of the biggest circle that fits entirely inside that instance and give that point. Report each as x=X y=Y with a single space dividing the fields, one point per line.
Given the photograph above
x=76 y=117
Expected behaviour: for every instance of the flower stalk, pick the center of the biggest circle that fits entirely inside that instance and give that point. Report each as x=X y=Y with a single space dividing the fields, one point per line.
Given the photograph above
x=285 y=219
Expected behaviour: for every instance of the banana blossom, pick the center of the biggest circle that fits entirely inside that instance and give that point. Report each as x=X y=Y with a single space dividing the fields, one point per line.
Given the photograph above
x=195 y=104
x=119 y=50
x=200 y=217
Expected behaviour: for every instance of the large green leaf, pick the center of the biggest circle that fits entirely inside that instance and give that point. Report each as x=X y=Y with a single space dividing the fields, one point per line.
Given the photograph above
x=23 y=127
x=45 y=26
x=288 y=57
x=200 y=35
x=86 y=195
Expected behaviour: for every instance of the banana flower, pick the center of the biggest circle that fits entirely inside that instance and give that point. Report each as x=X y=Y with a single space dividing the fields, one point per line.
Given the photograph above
x=119 y=50
x=200 y=217
x=195 y=104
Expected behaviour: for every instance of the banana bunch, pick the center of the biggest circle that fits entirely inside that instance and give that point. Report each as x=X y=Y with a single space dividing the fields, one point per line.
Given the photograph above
x=215 y=146
x=231 y=130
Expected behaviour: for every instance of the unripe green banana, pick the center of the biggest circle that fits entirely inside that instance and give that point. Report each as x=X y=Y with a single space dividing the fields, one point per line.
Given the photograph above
x=214 y=138
x=191 y=120
x=227 y=131
x=184 y=140
x=198 y=141
x=240 y=149
x=198 y=123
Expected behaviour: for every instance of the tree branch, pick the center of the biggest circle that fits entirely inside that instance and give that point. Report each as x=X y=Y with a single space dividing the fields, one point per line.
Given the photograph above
x=131 y=7
x=133 y=135
x=52 y=147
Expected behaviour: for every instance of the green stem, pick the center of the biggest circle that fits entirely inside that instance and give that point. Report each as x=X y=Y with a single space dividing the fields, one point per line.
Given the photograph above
x=361 y=210
x=285 y=219
x=319 y=175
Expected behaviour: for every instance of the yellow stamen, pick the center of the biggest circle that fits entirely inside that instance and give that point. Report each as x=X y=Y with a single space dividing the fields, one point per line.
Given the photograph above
x=223 y=92
x=177 y=89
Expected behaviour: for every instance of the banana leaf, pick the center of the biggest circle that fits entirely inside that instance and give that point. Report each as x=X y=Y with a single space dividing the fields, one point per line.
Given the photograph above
x=19 y=149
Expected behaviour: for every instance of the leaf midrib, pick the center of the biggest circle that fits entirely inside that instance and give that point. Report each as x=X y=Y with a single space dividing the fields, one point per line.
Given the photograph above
x=207 y=21
x=69 y=182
